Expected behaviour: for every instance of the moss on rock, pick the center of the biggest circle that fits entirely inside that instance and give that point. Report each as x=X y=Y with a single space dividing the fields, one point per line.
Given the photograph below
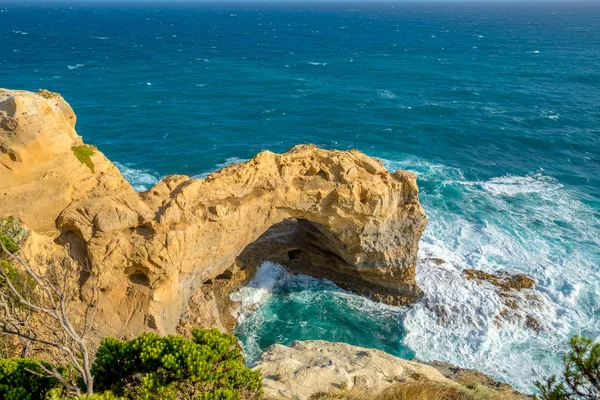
x=47 y=94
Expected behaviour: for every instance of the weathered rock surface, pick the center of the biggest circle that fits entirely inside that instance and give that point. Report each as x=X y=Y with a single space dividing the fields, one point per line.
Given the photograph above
x=305 y=369
x=471 y=377
x=39 y=174
x=348 y=219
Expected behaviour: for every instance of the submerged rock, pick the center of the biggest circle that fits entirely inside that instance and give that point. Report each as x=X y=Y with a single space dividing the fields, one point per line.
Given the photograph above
x=518 y=296
x=177 y=249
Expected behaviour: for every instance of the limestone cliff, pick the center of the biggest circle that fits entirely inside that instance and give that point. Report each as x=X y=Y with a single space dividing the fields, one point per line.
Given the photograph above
x=334 y=214
x=314 y=369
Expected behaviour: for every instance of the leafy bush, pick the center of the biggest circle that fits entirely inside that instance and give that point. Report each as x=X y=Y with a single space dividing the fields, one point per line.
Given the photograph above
x=18 y=380
x=209 y=367
x=8 y=244
x=47 y=94
x=13 y=232
x=84 y=154
x=581 y=378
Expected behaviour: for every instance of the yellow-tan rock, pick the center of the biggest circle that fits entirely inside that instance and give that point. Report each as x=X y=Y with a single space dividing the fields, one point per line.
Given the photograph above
x=356 y=223
x=306 y=369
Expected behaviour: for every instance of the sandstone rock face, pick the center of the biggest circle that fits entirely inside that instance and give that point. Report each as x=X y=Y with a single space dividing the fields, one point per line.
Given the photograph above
x=336 y=214
x=39 y=174
x=305 y=369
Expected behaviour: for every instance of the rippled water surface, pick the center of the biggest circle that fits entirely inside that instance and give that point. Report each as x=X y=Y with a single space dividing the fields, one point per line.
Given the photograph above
x=496 y=107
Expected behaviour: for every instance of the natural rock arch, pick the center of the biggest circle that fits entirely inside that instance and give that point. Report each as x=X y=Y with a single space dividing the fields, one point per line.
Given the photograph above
x=360 y=224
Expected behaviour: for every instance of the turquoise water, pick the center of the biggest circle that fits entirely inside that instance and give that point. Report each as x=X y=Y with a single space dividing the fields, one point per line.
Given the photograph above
x=496 y=107
x=299 y=307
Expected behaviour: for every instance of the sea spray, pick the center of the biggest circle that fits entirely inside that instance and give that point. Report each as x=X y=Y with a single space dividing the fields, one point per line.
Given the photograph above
x=268 y=278
x=140 y=179
x=506 y=223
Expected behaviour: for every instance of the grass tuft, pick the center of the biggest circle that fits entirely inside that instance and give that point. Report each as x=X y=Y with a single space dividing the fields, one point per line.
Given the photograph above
x=47 y=94
x=84 y=154
x=420 y=390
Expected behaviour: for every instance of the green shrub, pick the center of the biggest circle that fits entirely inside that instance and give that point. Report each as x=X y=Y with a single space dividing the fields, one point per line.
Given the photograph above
x=12 y=234
x=84 y=154
x=18 y=383
x=8 y=244
x=581 y=377
x=10 y=272
x=208 y=367
x=47 y=94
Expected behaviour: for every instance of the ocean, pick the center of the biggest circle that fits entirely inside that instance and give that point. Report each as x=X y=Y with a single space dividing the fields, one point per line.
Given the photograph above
x=495 y=106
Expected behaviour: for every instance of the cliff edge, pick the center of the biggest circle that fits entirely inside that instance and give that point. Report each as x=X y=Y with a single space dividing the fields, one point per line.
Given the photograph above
x=334 y=214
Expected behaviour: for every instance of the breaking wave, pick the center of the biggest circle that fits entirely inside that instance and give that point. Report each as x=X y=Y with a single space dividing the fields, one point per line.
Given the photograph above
x=529 y=224
x=280 y=307
x=140 y=179
x=228 y=161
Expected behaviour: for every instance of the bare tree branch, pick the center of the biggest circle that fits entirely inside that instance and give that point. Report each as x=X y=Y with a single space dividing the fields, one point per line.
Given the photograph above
x=41 y=315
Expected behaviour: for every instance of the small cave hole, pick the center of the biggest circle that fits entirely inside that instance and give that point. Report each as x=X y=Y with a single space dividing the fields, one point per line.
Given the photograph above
x=139 y=278
x=364 y=197
x=225 y=275
x=322 y=174
x=152 y=322
x=295 y=254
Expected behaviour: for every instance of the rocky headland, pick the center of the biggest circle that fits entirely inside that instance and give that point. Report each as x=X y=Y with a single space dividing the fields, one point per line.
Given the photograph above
x=168 y=258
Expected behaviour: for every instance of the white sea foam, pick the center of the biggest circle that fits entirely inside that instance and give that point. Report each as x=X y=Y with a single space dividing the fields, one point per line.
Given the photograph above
x=386 y=94
x=512 y=185
x=75 y=66
x=100 y=37
x=300 y=290
x=317 y=63
x=228 y=161
x=516 y=223
x=140 y=179
x=269 y=277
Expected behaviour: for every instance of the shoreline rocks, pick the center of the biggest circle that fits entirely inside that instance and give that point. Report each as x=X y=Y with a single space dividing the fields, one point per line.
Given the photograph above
x=315 y=369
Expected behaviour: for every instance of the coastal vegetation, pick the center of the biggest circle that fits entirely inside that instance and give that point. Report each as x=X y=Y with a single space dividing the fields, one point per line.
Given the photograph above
x=47 y=94
x=51 y=355
x=581 y=376
x=208 y=367
x=56 y=358
x=84 y=155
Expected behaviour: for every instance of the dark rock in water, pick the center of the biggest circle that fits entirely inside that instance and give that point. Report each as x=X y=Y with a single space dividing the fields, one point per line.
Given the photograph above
x=514 y=289
x=505 y=281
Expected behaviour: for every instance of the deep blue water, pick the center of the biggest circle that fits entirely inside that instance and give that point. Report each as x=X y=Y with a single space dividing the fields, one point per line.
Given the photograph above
x=496 y=107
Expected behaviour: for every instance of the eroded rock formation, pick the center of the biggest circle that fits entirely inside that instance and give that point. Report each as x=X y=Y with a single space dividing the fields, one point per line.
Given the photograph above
x=329 y=213
x=316 y=369
x=309 y=368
